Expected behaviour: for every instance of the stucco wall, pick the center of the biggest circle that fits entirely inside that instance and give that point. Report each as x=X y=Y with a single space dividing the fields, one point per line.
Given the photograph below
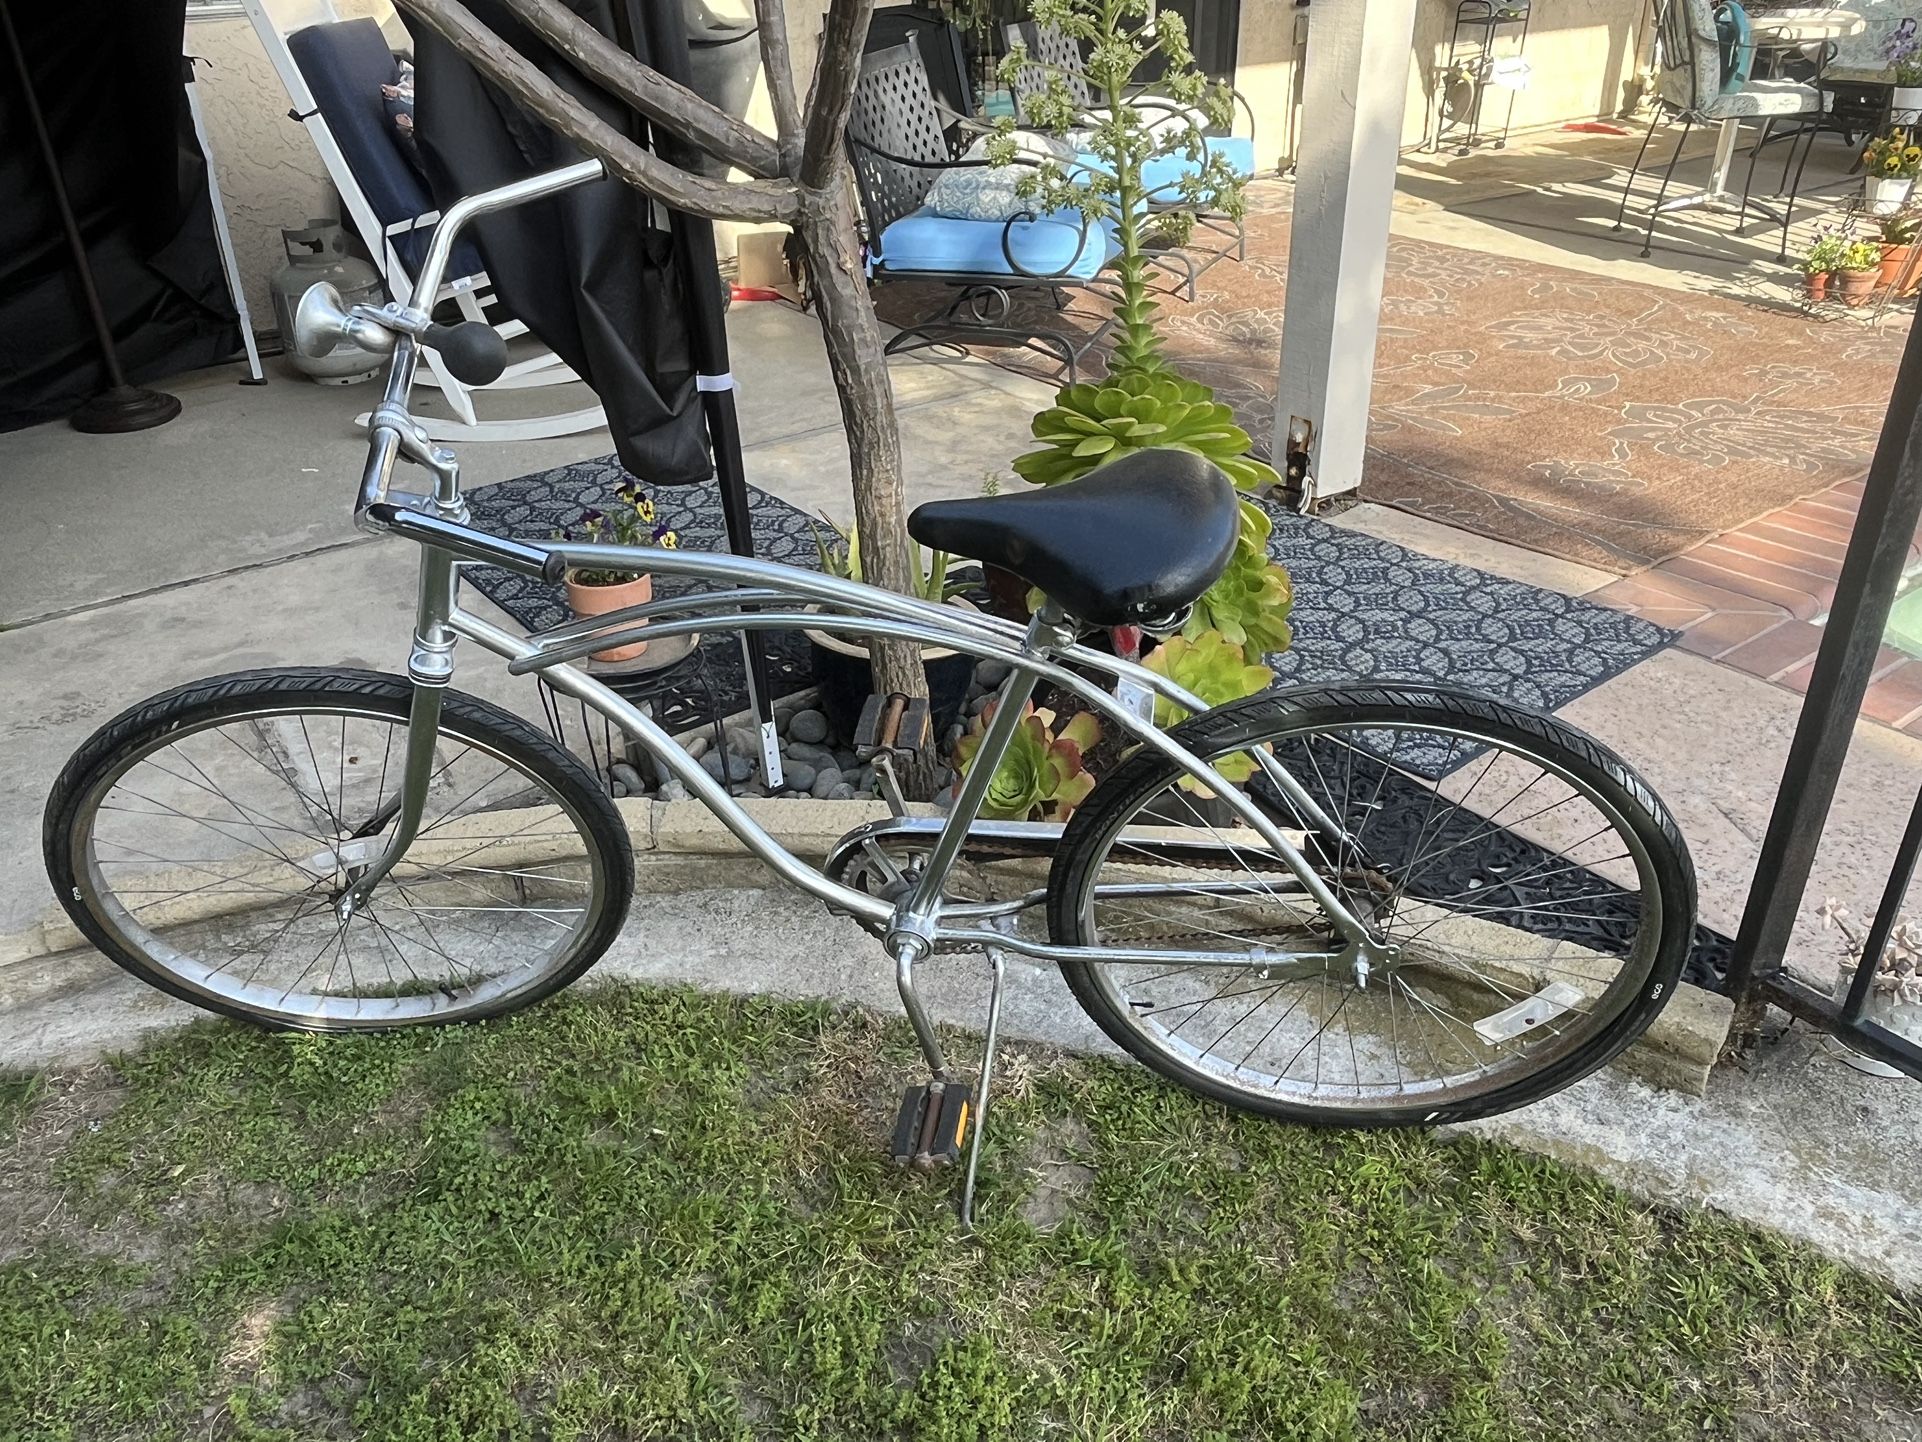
x=270 y=177
x=1581 y=52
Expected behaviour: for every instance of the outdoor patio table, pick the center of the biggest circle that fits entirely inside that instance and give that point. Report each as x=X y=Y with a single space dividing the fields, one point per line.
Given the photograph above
x=1776 y=31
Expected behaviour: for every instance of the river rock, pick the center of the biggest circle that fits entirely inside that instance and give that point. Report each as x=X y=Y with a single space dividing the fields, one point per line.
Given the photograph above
x=809 y=726
x=800 y=775
x=824 y=782
x=843 y=792
x=991 y=673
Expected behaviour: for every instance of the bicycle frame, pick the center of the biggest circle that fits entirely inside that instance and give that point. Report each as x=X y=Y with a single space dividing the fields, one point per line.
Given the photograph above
x=754 y=594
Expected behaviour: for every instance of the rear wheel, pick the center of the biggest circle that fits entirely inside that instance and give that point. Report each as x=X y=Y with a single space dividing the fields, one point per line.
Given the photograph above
x=1531 y=903
x=202 y=838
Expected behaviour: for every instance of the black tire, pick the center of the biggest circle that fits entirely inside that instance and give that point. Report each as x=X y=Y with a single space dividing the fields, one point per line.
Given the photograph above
x=145 y=728
x=1233 y=728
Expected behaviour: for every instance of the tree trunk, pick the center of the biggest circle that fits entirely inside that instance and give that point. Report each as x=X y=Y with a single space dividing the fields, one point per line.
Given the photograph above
x=838 y=287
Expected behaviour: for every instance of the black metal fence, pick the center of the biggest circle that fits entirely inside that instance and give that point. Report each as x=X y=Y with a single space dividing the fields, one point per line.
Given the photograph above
x=1872 y=576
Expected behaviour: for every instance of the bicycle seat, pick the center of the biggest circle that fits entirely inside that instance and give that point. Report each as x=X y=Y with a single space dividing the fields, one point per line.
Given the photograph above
x=1134 y=541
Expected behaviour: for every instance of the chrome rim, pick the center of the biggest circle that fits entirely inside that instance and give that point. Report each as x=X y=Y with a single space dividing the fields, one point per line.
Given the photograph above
x=1513 y=914
x=216 y=852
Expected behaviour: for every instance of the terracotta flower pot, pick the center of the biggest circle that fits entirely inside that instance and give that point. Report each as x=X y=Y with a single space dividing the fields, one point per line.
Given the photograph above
x=1857 y=286
x=1818 y=284
x=1894 y=259
x=584 y=600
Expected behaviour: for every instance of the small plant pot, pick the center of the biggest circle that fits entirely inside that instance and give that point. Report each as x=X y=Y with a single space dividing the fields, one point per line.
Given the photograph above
x=1818 y=285
x=1884 y=197
x=845 y=679
x=1856 y=286
x=1895 y=259
x=585 y=601
x=1905 y=104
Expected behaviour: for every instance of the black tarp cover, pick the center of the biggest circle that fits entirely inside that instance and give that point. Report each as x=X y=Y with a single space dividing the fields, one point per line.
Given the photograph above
x=588 y=270
x=109 y=75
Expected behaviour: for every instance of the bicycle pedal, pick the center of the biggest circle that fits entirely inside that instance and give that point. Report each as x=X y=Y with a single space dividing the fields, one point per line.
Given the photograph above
x=932 y=1126
x=891 y=723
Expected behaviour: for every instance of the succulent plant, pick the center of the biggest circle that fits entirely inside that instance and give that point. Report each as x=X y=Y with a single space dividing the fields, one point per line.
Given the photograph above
x=1092 y=424
x=842 y=558
x=1218 y=671
x=1249 y=603
x=1042 y=776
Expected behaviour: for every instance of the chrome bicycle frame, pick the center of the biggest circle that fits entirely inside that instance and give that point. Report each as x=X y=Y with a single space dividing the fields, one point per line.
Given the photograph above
x=753 y=594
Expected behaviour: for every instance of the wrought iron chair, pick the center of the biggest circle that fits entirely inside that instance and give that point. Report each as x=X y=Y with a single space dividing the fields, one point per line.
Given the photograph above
x=1690 y=87
x=1053 y=51
x=898 y=148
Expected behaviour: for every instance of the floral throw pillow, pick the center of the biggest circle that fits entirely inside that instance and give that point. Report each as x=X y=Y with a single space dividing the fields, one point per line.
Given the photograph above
x=987 y=192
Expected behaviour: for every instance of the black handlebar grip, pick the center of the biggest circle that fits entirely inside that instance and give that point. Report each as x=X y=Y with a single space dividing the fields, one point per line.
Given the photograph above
x=472 y=351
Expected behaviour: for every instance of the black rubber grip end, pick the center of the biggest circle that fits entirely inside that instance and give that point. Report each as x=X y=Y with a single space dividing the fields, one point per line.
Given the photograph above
x=472 y=351
x=554 y=571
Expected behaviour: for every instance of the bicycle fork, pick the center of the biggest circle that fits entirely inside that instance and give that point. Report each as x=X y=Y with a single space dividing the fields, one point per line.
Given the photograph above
x=430 y=666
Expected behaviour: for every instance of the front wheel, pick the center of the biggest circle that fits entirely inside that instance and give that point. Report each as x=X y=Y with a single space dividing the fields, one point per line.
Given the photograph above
x=202 y=838
x=1530 y=902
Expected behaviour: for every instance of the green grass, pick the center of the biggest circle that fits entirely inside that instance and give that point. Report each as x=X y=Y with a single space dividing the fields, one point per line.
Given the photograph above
x=643 y=1213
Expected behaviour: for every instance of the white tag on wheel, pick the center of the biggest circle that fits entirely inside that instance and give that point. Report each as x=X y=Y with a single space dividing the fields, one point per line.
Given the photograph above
x=1136 y=699
x=1547 y=1004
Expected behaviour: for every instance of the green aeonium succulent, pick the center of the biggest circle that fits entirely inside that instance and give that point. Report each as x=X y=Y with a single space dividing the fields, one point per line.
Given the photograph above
x=1249 y=603
x=1092 y=424
x=1218 y=671
x=1042 y=776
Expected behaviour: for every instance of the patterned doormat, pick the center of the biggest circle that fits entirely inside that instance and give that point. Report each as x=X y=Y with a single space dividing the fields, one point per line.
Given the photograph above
x=1606 y=421
x=1365 y=609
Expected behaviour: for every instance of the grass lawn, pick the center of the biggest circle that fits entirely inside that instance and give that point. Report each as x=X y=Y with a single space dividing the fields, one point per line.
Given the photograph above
x=648 y=1213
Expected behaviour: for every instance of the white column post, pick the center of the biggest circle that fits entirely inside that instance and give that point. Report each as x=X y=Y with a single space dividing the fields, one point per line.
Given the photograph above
x=1353 y=92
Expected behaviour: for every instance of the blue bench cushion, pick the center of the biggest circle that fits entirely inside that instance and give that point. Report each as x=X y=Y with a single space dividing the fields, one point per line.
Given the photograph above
x=345 y=63
x=924 y=241
x=1163 y=175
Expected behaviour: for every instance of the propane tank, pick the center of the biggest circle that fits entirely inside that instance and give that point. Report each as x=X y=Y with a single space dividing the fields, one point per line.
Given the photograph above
x=314 y=254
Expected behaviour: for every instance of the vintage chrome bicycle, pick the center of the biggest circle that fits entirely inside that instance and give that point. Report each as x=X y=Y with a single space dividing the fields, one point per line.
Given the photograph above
x=1362 y=905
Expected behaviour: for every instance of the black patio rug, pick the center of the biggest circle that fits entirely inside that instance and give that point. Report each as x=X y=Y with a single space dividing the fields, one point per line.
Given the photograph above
x=1365 y=609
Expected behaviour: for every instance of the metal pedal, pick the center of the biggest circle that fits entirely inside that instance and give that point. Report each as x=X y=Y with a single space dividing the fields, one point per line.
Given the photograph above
x=892 y=723
x=932 y=1126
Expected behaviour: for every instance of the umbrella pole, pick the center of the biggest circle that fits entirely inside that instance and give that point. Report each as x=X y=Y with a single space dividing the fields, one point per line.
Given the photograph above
x=120 y=407
x=666 y=44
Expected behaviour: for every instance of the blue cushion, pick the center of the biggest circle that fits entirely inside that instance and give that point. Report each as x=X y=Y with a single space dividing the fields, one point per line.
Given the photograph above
x=1163 y=175
x=1054 y=246
x=345 y=63
x=1736 y=41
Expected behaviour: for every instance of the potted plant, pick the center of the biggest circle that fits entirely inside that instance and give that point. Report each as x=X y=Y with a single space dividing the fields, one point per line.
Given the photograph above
x=1819 y=262
x=592 y=591
x=1890 y=164
x=1857 y=270
x=1898 y=234
x=1903 y=50
x=842 y=672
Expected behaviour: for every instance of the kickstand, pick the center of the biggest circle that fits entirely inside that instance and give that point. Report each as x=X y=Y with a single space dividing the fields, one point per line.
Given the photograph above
x=999 y=961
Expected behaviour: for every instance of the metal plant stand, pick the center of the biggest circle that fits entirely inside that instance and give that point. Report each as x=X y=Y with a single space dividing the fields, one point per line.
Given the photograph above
x=1474 y=47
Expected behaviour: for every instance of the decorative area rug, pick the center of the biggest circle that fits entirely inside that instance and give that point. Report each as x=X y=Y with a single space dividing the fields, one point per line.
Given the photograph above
x=1365 y=609
x=1608 y=422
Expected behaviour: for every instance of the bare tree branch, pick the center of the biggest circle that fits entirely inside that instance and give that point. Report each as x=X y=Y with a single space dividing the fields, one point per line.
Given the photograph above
x=835 y=74
x=777 y=63
x=507 y=68
x=648 y=91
